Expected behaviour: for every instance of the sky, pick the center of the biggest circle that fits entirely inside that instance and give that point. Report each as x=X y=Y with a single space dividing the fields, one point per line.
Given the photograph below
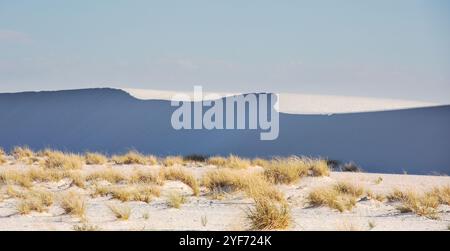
x=374 y=48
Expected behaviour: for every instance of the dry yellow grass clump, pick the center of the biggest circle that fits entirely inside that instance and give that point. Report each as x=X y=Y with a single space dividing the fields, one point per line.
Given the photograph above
x=290 y=170
x=173 y=161
x=63 y=161
x=341 y=196
x=21 y=178
x=235 y=162
x=232 y=161
x=421 y=204
x=111 y=175
x=182 y=175
x=443 y=194
x=95 y=159
x=217 y=161
x=152 y=160
x=73 y=203
x=2 y=156
x=132 y=157
x=121 y=212
x=146 y=177
x=224 y=181
x=35 y=200
x=175 y=200
x=260 y=162
x=22 y=152
x=143 y=193
x=269 y=214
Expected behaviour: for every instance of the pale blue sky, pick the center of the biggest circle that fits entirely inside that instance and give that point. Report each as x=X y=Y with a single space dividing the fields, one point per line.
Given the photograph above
x=382 y=48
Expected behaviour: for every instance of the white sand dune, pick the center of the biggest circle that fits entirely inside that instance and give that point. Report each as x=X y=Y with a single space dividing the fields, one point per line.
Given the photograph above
x=295 y=103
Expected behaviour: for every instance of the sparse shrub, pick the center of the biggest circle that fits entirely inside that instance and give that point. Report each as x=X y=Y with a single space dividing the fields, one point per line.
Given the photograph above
x=95 y=159
x=195 y=158
x=173 y=161
x=268 y=215
x=132 y=157
x=399 y=195
x=63 y=161
x=121 y=212
x=378 y=180
x=182 y=175
x=74 y=204
x=175 y=200
x=351 y=167
x=145 y=216
x=333 y=164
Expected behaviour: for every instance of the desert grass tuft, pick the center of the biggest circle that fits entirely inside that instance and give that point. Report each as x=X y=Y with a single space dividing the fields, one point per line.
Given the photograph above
x=173 y=161
x=111 y=175
x=132 y=157
x=2 y=156
x=152 y=160
x=121 y=212
x=425 y=205
x=442 y=193
x=260 y=162
x=235 y=162
x=143 y=193
x=217 y=161
x=268 y=215
x=35 y=200
x=182 y=175
x=146 y=177
x=291 y=169
x=73 y=203
x=224 y=181
x=341 y=196
x=22 y=152
x=175 y=200
x=95 y=158
x=285 y=170
x=63 y=161
x=21 y=178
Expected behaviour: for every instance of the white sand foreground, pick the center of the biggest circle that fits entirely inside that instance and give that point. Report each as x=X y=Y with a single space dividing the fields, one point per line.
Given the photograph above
x=204 y=213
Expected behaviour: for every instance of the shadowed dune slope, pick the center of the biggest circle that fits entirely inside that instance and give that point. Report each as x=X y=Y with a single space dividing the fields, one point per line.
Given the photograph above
x=111 y=121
